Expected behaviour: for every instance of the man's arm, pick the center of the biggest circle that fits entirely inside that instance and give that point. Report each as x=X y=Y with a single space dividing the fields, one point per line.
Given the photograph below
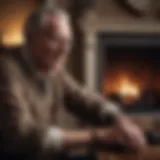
x=93 y=108
x=88 y=106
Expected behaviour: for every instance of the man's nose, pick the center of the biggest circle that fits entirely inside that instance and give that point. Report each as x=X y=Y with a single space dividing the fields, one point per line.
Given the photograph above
x=53 y=46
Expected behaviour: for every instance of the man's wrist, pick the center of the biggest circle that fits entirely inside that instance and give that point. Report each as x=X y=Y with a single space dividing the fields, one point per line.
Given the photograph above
x=99 y=138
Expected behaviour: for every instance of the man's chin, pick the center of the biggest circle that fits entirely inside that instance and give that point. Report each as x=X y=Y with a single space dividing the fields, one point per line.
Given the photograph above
x=46 y=66
x=51 y=65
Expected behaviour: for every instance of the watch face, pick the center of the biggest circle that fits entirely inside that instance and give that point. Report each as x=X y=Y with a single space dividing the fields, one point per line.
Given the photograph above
x=141 y=5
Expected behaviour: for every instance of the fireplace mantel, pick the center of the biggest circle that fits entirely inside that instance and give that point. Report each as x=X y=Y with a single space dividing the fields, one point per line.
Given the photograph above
x=109 y=19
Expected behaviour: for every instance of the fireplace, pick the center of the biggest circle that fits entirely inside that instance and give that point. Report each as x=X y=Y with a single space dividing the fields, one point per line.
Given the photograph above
x=129 y=70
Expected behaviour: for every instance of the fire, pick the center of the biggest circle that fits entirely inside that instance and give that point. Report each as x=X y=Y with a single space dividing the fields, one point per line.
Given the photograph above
x=128 y=88
x=124 y=87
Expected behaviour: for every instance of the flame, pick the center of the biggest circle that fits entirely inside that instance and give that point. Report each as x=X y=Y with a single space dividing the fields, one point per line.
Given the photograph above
x=123 y=86
x=128 y=88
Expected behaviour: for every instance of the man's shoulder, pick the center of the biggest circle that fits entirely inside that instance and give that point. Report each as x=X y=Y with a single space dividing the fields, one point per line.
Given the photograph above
x=8 y=58
x=10 y=54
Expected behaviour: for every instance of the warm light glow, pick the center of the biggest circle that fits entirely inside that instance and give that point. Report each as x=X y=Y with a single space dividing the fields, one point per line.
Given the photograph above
x=123 y=86
x=14 y=38
x=12 y=19
x=13 y=32
x=128 y=88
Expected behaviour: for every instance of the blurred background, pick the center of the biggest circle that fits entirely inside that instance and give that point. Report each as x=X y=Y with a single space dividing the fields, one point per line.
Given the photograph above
x=116 y=50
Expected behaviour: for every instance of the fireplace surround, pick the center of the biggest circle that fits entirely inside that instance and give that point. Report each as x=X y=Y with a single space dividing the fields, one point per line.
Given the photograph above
x=138 y=52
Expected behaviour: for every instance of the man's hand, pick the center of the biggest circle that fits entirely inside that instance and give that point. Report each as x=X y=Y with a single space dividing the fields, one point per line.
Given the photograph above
x=130 y=134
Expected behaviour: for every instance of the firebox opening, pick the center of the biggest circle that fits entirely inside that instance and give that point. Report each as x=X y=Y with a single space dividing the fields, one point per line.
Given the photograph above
x=132 y=77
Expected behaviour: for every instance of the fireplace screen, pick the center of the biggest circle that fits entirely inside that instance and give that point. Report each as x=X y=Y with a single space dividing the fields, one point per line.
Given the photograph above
x=132 y=76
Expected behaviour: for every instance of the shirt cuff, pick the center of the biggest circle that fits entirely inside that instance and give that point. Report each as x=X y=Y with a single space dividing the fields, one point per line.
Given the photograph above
x=53 y=139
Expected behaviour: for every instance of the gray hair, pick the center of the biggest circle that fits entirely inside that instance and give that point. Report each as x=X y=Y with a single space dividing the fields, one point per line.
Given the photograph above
x=35 y=21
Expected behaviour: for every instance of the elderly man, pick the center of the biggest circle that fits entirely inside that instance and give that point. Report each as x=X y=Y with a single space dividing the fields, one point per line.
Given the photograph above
x=34 y=86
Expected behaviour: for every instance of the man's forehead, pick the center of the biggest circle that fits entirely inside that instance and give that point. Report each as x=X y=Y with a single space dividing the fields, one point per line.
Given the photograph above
x=57 y=23
x=54 y=18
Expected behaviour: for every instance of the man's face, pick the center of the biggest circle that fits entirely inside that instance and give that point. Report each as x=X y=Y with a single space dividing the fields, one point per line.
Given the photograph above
x=53 y=43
